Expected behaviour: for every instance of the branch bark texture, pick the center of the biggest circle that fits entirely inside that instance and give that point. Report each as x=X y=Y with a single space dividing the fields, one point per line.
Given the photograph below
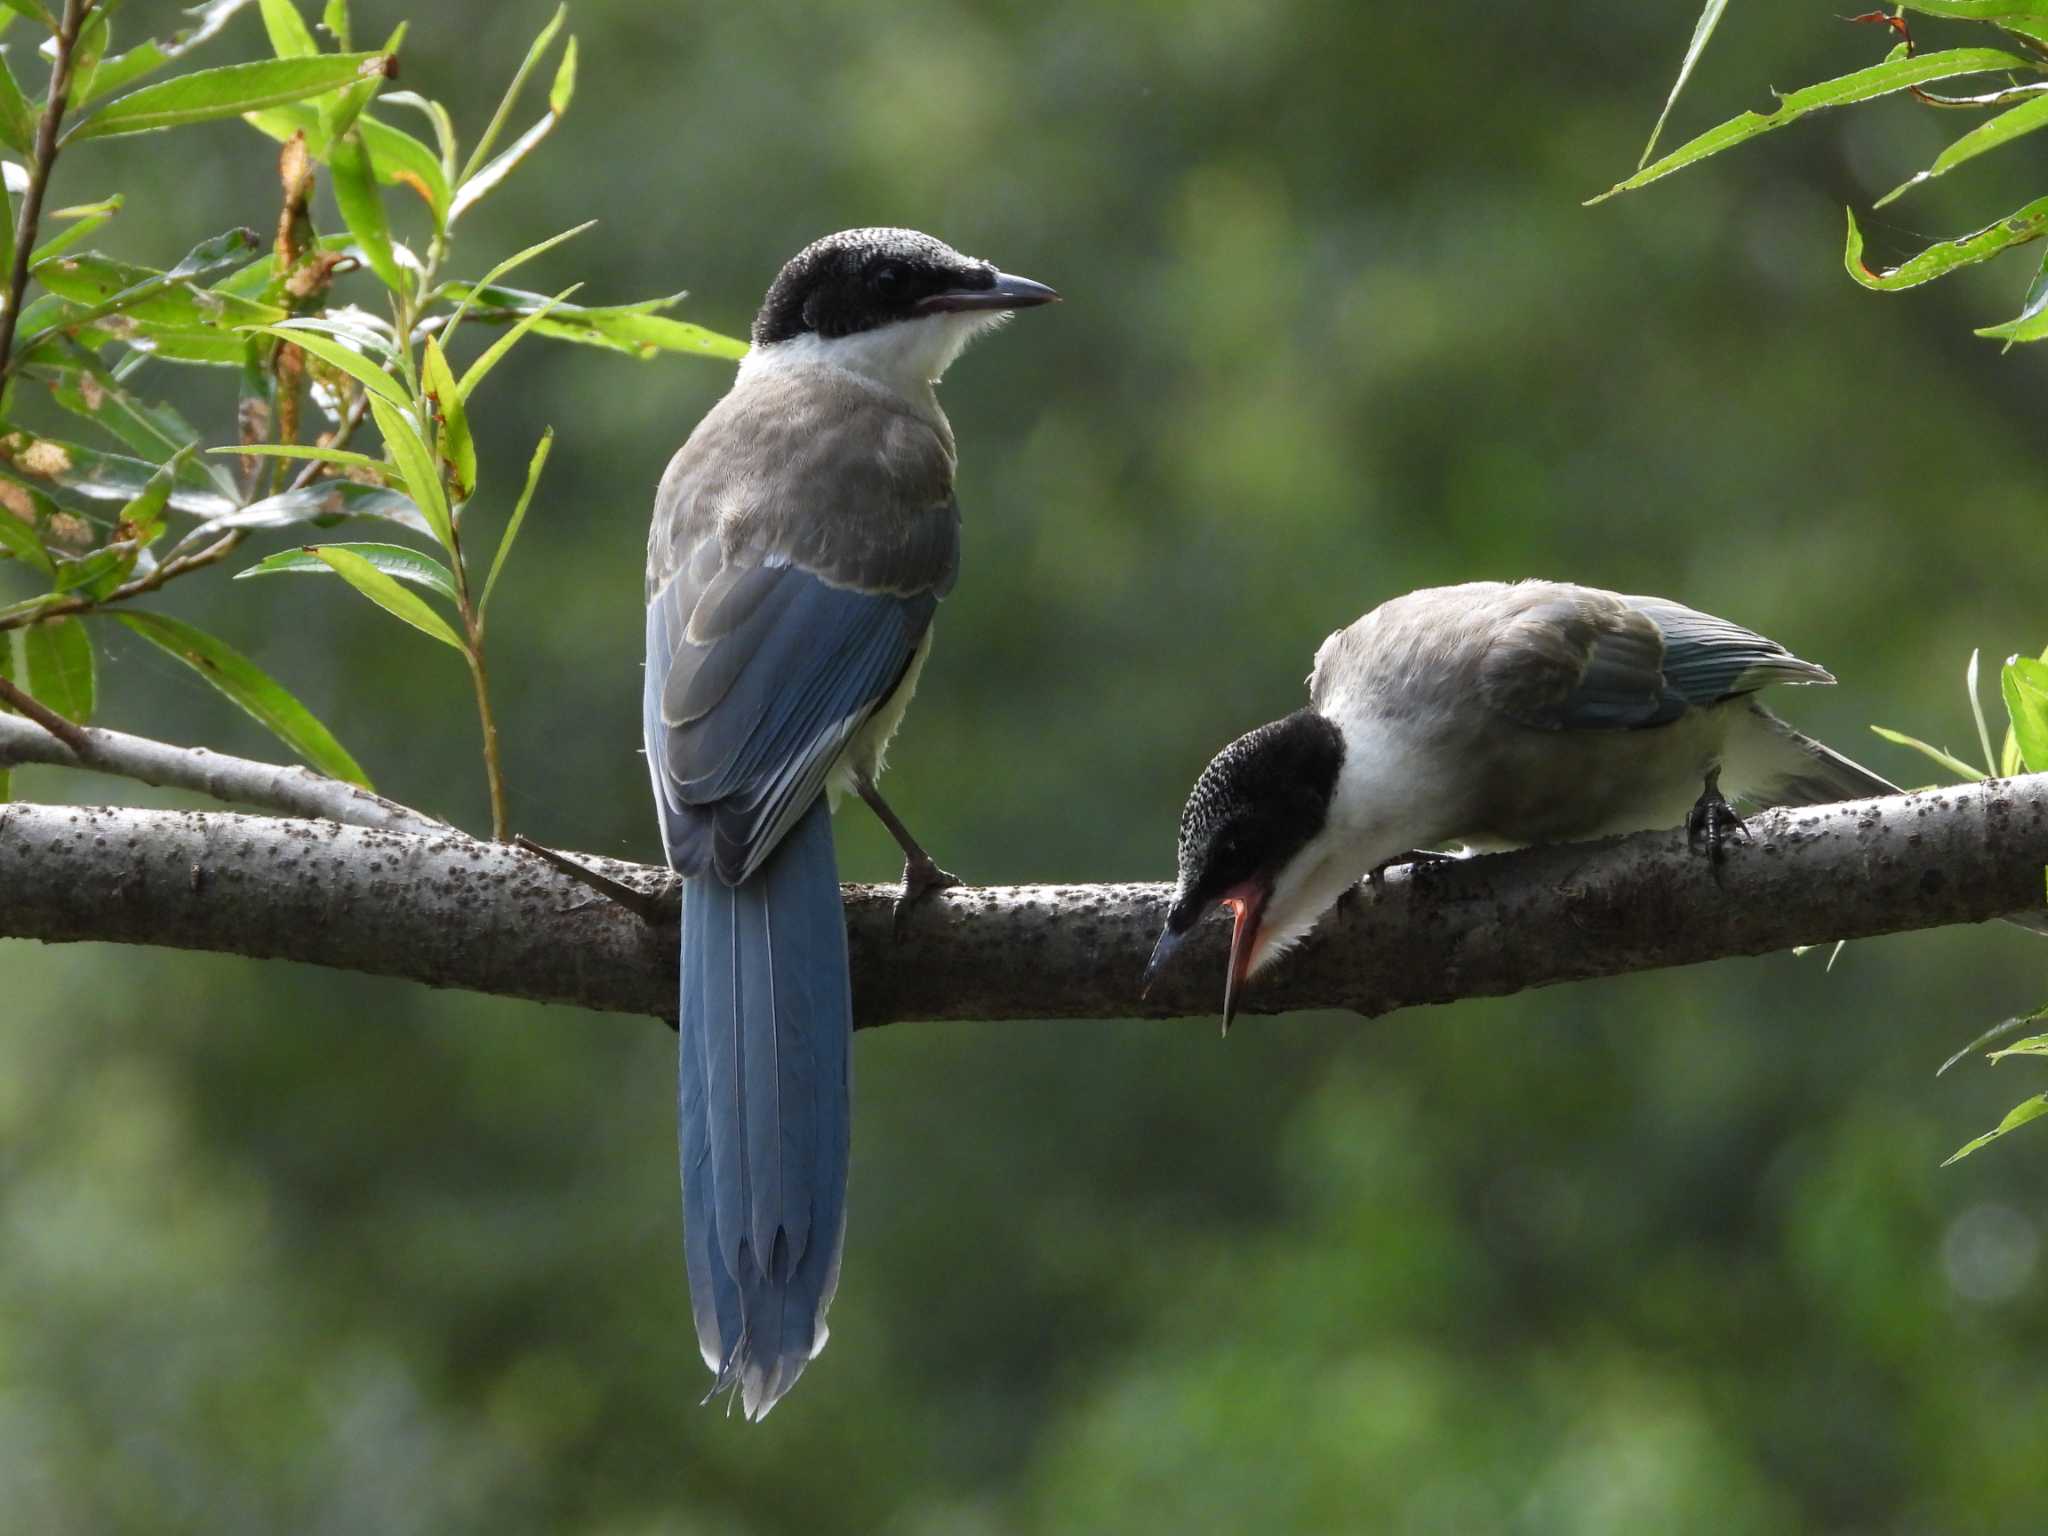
x=447 y=910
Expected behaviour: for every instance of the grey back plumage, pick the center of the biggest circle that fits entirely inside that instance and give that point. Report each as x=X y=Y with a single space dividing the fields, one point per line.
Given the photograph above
x=1548 y=655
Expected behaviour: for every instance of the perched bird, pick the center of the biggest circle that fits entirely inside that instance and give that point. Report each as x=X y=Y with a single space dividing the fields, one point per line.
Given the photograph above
x=1494 y=716
x=802 y=538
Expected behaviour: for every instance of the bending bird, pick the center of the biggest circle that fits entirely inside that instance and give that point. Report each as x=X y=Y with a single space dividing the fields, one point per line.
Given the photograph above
x=802 y=540
x=1491 y=715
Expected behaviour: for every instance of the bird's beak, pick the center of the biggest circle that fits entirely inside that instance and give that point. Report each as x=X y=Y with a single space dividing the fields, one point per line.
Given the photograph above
x=1009 y=292
x=1246 y=906
x=1168 y=946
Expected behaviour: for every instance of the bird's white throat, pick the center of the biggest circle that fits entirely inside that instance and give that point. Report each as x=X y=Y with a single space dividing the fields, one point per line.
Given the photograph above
x=906 y=357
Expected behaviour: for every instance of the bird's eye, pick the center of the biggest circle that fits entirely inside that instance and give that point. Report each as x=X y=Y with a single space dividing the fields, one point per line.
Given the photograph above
x=888 y=281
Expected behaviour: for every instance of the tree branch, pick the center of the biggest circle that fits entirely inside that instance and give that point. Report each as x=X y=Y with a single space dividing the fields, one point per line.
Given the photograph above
x=451 y=911
x=237 y=780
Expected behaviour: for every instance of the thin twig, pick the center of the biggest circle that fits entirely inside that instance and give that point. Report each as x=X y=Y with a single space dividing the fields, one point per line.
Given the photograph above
x=75 y=12
x=71 y=735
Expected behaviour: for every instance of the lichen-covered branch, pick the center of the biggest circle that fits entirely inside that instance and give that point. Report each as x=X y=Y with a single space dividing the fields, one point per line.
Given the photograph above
x=448 y=910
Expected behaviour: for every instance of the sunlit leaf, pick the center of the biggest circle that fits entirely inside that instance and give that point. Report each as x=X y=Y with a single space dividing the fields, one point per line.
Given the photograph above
x=490 y=357
x=1703 y=29
x=511 y=263
x=2017 y=228
x=2000 y=130
x=637 y=329
x=2021 y=1113
x=534 y=53
x=458 y=451
x=85 y=220
x=1894 y=74
x=422 y=476
x=2031 y=323
x=2022 y=18
x=494 y=173
x=1997 y=1031
x=2033 y=1045
x=386 y=593
x=290 y=38
x=2024 y=682
x=1952 y=763
x=533 y=469
x=33 y=10
x=232 y=89
x=124 y=69
x=342 y=456
x=252 y=688
x=396 y=560
x=334 y=17
x=346 y=358
x=362 y=208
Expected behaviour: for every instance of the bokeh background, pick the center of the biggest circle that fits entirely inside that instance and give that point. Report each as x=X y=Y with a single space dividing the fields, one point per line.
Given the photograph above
x=289 y=1250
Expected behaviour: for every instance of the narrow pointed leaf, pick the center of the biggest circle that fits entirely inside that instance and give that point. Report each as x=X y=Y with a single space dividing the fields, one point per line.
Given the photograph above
x=85 y=219
x=563 y=91
x=2023 y=1112
x=516 y=260
x=416 y=465
x=2024 y=682
x=342 y=456
x=335 y=19
x=392 y=559
x=533 y=469
x=323 y=503
x=2033 y=1045
x=145 y=58
x=52 y=662
x=495 y=352
x=488 y=179
x=458 y=451
x=2031 y=323
x=635 y=329
x=255 y=690
x=386 y=593
x=351 y=362
x=209 y=94
x=18 y=538
x=2016 y=228
x=290 y=38
x=510 y=99
x=1703 y=29
x=17 y=117
x=2001 y=130
x=154 y=430
x=1894 y=74
x=2022 y=18
x=362 y=208
x=1977 y=712
x=1948 y=760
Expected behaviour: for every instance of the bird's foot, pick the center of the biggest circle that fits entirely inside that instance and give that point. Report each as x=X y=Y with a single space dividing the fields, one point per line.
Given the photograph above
x=1711 y=819
x=1378 y=873
x=921 y=877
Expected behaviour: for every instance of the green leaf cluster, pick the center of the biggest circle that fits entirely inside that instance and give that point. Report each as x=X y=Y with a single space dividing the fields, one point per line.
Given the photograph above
x=338 y=326
x=2014 y=92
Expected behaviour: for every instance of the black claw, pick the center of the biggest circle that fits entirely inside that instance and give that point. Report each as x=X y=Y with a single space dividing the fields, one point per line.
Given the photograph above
x=921 y=879
x=1711 y=819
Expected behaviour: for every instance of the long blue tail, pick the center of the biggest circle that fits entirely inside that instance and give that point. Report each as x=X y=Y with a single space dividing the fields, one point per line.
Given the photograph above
x=765 y=1031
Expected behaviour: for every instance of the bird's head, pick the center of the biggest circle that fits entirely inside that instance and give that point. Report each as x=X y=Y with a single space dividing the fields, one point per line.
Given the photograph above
x=1255 y=810
x=891 y=303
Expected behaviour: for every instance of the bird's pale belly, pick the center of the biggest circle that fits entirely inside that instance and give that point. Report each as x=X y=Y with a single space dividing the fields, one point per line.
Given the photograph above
x=866 y=755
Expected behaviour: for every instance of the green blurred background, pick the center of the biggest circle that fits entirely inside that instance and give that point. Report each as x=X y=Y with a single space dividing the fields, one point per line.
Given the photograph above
x=282 y=1249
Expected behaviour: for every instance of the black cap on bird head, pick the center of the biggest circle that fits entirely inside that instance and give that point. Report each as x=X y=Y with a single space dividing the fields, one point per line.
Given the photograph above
x=861 y=279
x=1258 y=804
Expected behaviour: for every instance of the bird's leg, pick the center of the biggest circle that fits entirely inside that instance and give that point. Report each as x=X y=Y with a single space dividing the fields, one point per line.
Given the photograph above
x=921 y=872
x=1712 y=818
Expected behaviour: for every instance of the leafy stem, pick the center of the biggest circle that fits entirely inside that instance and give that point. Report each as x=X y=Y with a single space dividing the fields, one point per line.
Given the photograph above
x=40 y=166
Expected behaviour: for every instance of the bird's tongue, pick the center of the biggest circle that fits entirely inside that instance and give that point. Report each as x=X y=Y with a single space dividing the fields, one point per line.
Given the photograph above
x=1247 y=902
